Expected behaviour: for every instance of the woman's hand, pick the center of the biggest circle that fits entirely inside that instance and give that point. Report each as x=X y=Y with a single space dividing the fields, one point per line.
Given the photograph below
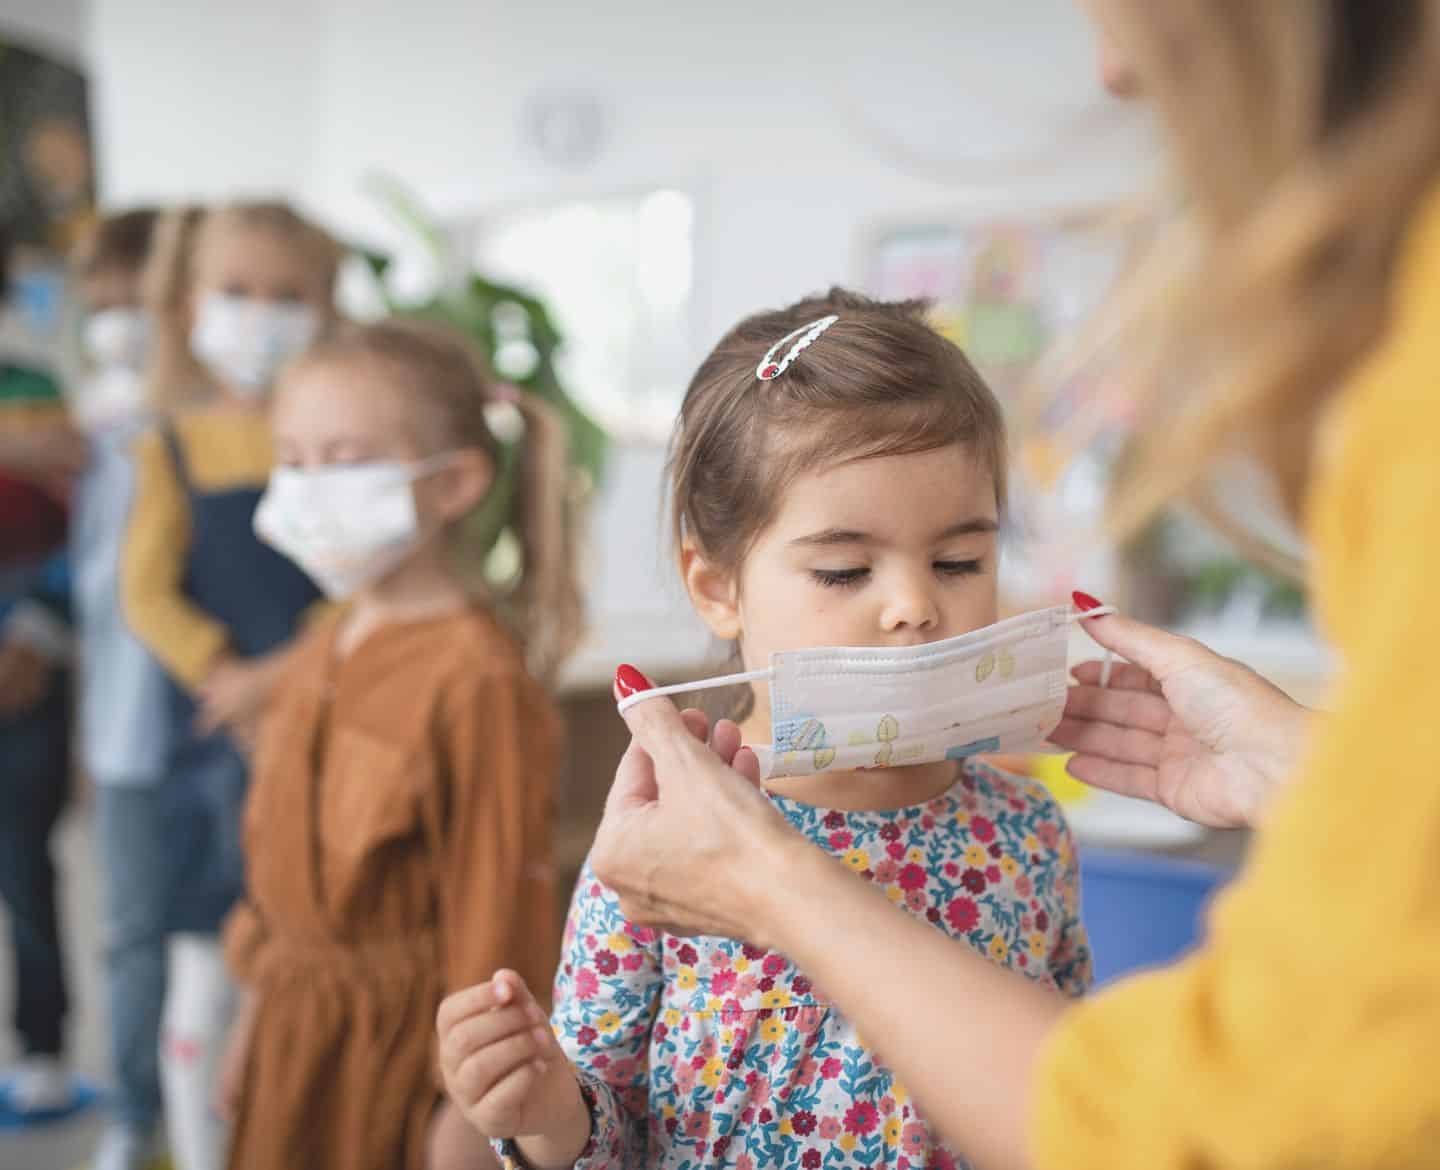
x=1200 y=734
x=687 y=841
x=691 y=845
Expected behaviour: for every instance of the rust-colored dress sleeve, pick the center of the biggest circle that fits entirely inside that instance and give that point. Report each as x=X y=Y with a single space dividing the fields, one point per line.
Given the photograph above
x=492 y=826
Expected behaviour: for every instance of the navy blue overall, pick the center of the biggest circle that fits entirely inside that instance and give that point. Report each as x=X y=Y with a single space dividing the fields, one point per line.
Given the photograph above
x=260 y=598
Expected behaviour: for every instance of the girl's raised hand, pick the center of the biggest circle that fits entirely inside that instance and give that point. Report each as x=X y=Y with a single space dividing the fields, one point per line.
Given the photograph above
x=505 y=1071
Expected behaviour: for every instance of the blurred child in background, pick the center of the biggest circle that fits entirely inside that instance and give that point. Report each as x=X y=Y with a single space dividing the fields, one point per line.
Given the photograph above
x=124 y=710
x=34 y=738
x=235 y=293
x=398 y=834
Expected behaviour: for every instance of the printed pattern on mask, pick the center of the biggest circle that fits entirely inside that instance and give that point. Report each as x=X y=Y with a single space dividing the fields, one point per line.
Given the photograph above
x=706 y=1052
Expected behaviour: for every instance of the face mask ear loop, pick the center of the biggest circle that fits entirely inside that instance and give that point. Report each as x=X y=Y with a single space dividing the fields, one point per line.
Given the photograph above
x=1107 y=661
x=709 y=684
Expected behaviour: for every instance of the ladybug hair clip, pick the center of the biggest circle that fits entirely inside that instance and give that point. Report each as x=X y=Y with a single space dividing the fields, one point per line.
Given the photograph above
x=769 y=369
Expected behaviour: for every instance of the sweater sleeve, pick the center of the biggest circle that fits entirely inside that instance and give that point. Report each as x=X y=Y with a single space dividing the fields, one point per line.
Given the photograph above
x=183 y=638
x=1302 y=1033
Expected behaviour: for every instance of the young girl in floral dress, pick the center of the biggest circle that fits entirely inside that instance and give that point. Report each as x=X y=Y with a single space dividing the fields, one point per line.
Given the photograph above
x=837 y=480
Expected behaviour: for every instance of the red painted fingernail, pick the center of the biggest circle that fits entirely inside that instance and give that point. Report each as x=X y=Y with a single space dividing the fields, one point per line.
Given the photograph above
x=1084 y=602
x=629 y=681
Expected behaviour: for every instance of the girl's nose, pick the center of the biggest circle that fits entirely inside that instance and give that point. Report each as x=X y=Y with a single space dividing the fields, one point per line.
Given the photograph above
x=910 y=607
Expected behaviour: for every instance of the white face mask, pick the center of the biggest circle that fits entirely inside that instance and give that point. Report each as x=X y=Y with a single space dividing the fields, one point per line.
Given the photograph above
x=999 y=689
x=346 y=527
x=109 y=397
x=246 y=342
x=117 y=338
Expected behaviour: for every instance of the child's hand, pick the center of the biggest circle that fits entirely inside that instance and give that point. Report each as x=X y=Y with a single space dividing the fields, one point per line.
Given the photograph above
x=508 y=1075
x=25 y=676
x=236 y=691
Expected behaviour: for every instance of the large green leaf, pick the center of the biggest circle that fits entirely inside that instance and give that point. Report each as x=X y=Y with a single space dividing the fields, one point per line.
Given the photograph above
x=474 y=307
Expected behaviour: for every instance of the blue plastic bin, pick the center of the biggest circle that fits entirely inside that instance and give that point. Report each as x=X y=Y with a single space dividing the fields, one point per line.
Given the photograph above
x=1142 y=910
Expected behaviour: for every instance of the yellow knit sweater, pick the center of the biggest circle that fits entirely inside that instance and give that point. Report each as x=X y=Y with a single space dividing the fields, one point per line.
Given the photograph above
x=1306 y=1033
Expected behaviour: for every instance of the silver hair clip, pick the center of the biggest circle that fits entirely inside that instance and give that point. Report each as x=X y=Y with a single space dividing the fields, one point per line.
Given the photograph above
x=769 y=369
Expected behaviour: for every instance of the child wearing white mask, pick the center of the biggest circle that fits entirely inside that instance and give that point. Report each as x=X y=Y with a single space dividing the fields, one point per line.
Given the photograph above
x=398 y=832
x=234 y=293
x=837 y=480
x=123 y=692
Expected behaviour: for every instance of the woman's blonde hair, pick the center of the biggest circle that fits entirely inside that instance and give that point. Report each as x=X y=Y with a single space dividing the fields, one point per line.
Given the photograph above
x=1306 y=133
x=175 y=376
x=449 y=381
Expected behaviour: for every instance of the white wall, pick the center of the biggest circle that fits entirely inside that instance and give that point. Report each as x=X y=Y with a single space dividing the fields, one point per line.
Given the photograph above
x=747 y=104
x=58 y=27
x=202 y=100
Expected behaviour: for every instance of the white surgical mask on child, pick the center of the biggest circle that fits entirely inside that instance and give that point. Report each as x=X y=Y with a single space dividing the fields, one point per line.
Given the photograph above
x=346 y=527
x=998 y=689
x=246 y=342
x=118 y=337
x=115 y=341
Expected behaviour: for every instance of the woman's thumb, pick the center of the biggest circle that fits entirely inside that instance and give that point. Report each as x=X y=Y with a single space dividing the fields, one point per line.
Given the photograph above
x=1148 y=647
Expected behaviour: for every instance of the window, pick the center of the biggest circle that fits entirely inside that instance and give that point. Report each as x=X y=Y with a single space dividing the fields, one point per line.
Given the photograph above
x=616 y=273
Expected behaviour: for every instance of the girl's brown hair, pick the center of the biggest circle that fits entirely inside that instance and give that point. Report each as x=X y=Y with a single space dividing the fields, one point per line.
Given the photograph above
x=175 y=376
x=1306 y=135
x=451 y=386
x=880 y=381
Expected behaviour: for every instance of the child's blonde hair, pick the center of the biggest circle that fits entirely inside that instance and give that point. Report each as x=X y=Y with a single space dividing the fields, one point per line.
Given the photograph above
x=120 y=242
x=451 y=386
x=175 y=375
x=880 y=381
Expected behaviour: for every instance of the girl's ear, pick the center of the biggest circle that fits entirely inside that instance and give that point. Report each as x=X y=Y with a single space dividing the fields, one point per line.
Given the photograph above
x=458 y=489
x=712 y=592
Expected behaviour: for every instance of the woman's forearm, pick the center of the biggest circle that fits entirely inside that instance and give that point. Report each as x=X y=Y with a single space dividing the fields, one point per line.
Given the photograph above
x=961 y=1033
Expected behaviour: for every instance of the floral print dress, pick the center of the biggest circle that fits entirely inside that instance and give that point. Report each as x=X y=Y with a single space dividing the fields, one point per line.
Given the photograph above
x=707 y=1052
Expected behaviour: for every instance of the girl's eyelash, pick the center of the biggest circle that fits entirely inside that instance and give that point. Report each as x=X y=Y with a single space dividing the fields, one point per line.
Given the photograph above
x=838 y=577
x=958 y=568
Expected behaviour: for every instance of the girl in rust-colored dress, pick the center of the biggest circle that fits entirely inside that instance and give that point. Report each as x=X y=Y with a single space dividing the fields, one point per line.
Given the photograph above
x=397 y=836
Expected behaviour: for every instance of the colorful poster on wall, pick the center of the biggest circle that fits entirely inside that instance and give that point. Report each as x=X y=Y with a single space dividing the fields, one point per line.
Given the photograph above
x=1009 y=292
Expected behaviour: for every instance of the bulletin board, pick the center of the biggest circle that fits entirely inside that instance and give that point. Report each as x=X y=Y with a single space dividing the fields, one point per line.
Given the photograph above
x=1011 y=292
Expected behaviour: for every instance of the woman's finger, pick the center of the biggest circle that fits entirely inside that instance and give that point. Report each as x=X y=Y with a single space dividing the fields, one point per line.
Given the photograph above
x=1125 y=745
x=1123 y=676
x=728 y=744
x=1126 y=779
x=726 y=740
x=747 y=763
x=1157 y=651
x=1138 y=709
x=698 y=723
x=658 y=729
x=635 y=785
